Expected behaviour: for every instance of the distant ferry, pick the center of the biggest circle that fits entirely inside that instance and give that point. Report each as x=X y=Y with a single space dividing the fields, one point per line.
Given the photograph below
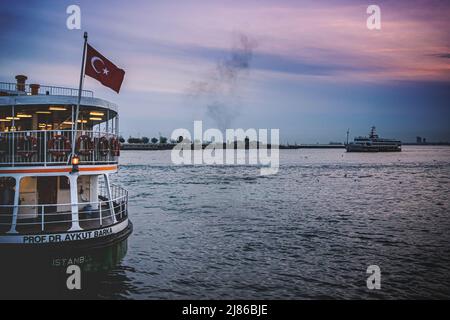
x=374 y=143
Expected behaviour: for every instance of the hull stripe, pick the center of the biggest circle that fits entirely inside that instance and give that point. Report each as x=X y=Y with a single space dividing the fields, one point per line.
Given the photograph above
x=65 y=237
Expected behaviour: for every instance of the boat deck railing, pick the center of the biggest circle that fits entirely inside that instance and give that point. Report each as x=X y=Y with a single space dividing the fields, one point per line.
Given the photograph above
x=25 y=89
x=54 y=218
x=53 y=147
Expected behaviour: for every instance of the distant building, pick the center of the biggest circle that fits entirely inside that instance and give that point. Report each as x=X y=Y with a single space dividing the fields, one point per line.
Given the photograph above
x=424 y=140
x=418 y=139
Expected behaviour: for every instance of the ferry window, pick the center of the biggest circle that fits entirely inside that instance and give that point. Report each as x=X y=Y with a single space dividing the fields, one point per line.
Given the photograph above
x=84 y=188
x=7 y=190
x=64 y=183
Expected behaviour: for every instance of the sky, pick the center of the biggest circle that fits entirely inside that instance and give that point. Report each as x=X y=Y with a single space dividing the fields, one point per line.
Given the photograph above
x=309 y=68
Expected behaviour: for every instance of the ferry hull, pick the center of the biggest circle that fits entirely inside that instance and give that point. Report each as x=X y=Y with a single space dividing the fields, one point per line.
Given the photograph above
x=26 y=271
x=359 y=148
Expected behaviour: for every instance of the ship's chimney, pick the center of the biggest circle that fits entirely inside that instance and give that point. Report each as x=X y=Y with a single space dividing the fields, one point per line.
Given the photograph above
x=35 y=88
x=21 y=82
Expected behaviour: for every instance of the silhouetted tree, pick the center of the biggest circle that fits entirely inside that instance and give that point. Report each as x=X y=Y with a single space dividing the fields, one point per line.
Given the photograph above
x=162 y=140
x=154 y=140
x=134 y=140
x=145 y=140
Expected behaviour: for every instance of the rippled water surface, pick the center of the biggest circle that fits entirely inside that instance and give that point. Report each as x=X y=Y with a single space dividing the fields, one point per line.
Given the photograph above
x=308 y=232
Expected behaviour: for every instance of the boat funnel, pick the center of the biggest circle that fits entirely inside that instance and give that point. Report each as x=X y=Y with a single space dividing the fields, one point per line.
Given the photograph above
x=21 y=82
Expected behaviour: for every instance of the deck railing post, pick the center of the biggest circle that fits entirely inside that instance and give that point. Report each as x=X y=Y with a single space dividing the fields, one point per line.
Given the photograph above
x=110 y=200
x=16 y=207
x=122 y=207
x=42 y=217
x=73 y=179
x=100 y=214
x=125 y=205
x=45 y=148
x=13 y=150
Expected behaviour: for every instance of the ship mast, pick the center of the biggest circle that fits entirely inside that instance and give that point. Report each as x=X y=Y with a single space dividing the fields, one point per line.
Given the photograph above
x=80 y=89
x=373 y=134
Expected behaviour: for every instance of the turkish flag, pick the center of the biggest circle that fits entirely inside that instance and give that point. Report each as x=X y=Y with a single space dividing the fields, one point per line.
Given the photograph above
x=100 y=68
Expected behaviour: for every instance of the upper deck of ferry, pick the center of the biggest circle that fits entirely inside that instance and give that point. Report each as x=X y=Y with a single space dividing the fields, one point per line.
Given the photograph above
x=37 y=126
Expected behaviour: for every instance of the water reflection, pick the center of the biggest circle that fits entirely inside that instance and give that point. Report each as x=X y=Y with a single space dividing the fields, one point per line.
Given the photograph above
x=38 y=273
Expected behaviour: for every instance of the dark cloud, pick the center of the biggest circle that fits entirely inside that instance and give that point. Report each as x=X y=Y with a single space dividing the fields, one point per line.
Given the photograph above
x=443 y=55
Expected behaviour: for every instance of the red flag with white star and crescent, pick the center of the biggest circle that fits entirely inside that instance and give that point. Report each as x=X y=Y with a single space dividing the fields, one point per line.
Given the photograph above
x=103 y=70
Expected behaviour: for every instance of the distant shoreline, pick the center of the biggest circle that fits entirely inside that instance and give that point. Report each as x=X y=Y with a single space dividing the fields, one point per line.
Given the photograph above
x=170 y=146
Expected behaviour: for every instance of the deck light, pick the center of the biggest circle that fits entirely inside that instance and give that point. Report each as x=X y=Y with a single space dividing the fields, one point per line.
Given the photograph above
x=75 y=162
x=96 y=113
x=24 y=116
x=12 y=118
x=95 y=119
x=79 y=121
x=56 y=108
x=5 y=120
x=43 y=112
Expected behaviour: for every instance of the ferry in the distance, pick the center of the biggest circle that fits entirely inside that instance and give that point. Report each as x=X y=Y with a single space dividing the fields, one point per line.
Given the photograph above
x=374 y=143
x=47 y=197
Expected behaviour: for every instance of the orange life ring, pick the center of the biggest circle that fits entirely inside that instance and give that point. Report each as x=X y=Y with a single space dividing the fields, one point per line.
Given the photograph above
x=27 y=146
x=59 y=146
x=115 y=147
x=87 y=144
x=103 y=146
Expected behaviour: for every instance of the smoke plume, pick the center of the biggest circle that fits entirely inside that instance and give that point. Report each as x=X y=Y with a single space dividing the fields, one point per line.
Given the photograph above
x=219 y=90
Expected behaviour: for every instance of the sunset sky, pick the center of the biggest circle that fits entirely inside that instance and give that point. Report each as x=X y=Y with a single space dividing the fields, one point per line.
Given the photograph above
x=315 y=68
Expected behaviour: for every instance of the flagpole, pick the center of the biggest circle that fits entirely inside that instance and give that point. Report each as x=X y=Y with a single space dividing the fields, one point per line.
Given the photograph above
x=80 y=89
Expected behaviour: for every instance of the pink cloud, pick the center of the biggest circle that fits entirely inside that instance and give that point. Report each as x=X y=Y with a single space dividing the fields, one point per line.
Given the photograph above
x=406 y=48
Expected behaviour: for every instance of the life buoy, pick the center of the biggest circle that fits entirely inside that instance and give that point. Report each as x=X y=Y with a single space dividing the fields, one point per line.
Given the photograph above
x=85 y=145
x=59 y=146
x=103 y=146
x=27 y=146
x=115 y=147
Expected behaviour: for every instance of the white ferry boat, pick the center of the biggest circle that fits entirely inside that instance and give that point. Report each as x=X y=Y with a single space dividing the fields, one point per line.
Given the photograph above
x=374 y=143
x=47 y=197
